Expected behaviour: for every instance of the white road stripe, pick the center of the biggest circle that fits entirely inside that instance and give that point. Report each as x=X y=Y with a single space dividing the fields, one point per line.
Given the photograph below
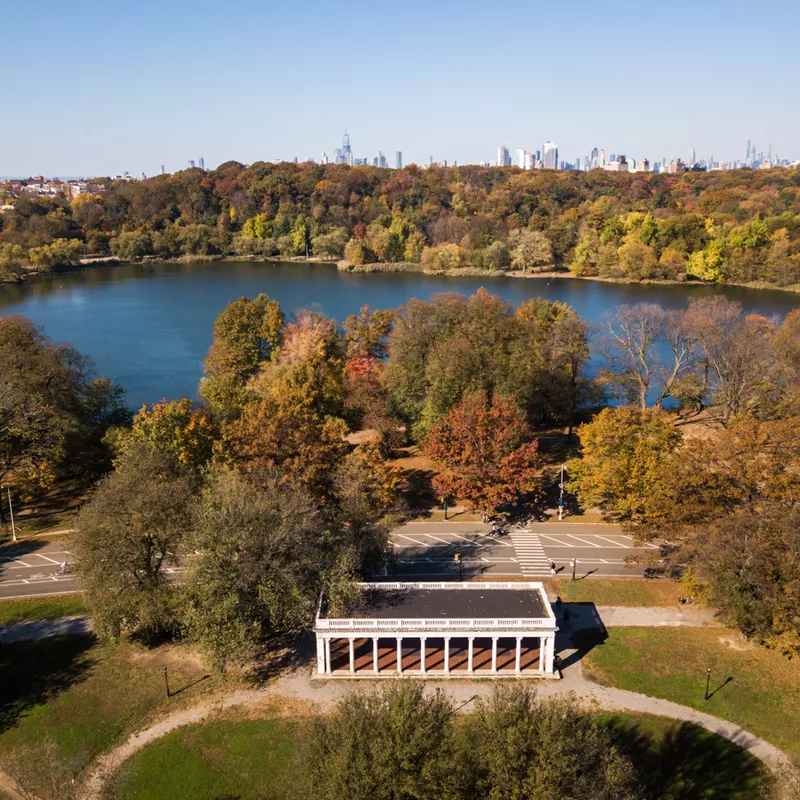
x=616 y=544
x=548 y=536
x=419 y=544
x=431 y=536
x=592 y=544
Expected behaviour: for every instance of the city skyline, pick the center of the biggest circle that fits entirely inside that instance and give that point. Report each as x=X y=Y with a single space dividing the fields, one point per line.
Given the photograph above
x=616 y=77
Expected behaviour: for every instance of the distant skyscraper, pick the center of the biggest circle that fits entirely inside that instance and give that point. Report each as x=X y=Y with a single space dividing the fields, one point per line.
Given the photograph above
x=503 y=156
x=530 y=160
x=191 y=164
x=692 y=157
x=602 y=157
x=347 y=153
x=202 y=163
x=162 y=169
x=324 y=158
x=521 y=158
x=398 y=159
x=550 y=155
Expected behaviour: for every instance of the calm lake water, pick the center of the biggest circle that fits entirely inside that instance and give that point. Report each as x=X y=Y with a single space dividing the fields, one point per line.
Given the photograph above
x=149 y=326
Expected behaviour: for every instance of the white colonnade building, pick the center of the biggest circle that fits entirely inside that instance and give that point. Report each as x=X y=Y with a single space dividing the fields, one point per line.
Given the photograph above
x=440 y=630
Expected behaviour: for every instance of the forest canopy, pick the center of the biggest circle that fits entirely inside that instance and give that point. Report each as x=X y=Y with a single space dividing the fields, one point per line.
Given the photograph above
x=724 y=226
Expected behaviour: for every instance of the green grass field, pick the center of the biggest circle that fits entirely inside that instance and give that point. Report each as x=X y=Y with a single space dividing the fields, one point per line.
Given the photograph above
x=68 y=605
x=248 y=760
x=82 y=697
x=256 y=760
x=751 y=686
x=619 y=591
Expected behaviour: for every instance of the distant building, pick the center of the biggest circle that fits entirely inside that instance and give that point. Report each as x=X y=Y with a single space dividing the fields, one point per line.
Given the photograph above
x=162 y=170
x=692 y=157
x=620 y=164
x=191 y=164
x=202 y=164
x=521 y=158
x=503 y=156
x=550 y=155
x=324 y=158
x=398 y=159
x=530 y=161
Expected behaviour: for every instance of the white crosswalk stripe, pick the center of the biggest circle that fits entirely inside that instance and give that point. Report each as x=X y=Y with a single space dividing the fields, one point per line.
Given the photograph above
x=530 y=553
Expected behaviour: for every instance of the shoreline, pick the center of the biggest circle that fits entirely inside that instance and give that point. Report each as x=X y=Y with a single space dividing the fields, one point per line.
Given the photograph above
x=366 y=269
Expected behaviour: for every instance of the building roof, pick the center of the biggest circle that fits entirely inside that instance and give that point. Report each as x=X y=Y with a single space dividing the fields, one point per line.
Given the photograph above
x=453 y=601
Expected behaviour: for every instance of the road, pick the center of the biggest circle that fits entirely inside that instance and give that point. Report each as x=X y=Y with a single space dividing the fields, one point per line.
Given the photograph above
x=33 y=567
x=427 y=550
x=422 y=550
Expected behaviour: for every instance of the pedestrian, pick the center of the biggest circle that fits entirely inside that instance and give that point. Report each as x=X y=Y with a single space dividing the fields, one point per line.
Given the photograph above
x=558 y=604
x=552 y=567
x=485 y=518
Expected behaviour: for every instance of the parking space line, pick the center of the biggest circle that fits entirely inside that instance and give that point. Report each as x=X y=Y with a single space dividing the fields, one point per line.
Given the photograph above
x=592 y=544
x=431 y=536
x=419 y=544
x=51 y=560
x=616 y=544
x=548 y=536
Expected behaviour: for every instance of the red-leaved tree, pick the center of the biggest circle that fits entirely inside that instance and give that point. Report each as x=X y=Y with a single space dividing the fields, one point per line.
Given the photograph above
x=485 y=452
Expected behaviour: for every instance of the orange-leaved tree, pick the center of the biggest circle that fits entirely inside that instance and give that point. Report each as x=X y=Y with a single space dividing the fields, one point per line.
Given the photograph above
x=484 y=451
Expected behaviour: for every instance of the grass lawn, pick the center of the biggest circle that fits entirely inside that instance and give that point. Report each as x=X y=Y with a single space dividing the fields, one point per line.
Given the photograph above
x=751 y=686
x=248 y=760
x=80 y=697
x=618 y=592
x=67 y=605
x=253 y=759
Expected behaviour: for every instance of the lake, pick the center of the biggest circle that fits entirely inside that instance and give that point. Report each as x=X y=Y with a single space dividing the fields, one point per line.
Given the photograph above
x=148 y=326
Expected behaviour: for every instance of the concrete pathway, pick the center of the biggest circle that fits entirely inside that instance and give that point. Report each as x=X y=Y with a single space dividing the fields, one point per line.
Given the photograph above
x=299 y=685
x=43 y=628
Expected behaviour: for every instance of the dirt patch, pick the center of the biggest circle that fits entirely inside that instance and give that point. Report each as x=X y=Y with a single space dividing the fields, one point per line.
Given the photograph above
x=736 y=643
x=362 y=437
x=177 y=657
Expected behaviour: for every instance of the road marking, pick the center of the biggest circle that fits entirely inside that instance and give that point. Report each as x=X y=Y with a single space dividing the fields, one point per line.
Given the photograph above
x=418 y=544
x=471 y=541
x=547 y=536
x=592 y=544
x=52 y=561
x=616 y=544
x=431 y=536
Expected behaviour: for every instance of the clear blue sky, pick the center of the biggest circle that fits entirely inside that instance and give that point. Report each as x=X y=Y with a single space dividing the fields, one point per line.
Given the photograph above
x=100 y=86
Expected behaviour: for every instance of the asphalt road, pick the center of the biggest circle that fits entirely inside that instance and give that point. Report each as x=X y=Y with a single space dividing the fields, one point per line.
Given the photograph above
x=422 y=550
x=33 y=568
x=428 y=549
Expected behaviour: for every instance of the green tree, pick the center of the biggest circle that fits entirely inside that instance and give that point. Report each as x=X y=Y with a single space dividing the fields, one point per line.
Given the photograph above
x=395 y=744
x=246 y=333
x=129 y=533
x=259 y=546
x=530 y=249
x=622 y=450
x=539 y=750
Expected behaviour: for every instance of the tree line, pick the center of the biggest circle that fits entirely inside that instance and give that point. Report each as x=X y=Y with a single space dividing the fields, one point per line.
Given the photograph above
x=725 y=226
x=257 y=494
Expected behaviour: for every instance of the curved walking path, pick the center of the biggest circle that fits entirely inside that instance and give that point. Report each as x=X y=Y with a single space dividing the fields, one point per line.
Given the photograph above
x=299 y=685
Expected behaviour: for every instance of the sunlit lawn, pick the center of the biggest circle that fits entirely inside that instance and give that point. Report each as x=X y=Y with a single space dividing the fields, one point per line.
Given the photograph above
x=619 y=592
x=763 y=695
x=84 y=697
x=249 y=760
x=69 y=605
x=255 y=759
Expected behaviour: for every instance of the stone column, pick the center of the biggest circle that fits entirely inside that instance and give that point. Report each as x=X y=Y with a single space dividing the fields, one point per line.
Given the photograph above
x=550 y=651
x=320 y=656
x=542 y=656
x=447 y=654
x=519 y=654
x=400 y=655
x=328 y=665
x=470 y=640
x=494 y=654
x=375 y=654
x=352 y=655
x=422 y=655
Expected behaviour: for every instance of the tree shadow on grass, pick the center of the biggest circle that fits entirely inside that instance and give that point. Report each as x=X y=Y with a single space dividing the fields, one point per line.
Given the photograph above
x=31 y=673
x=690 y=763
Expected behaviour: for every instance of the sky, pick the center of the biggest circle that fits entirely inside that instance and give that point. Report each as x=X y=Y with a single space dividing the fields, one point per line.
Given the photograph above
x=96 y=87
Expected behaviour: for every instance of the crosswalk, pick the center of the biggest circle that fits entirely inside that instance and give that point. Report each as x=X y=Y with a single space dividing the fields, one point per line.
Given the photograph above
x=532 y=560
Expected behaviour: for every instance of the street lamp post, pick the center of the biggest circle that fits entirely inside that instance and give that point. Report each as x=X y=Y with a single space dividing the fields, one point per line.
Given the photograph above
x=561 y=495
x=11 y=512
x=574 y=562
x=166 y=681
x=708 y=681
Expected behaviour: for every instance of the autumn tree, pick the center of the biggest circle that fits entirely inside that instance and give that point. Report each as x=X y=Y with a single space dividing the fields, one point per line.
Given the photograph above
x=366 y=332
x=484 y=452
x=246 y=334
x=129 y=533
x=530 y=249
x=622 y=450
x=751 y=561
x=176 y=427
